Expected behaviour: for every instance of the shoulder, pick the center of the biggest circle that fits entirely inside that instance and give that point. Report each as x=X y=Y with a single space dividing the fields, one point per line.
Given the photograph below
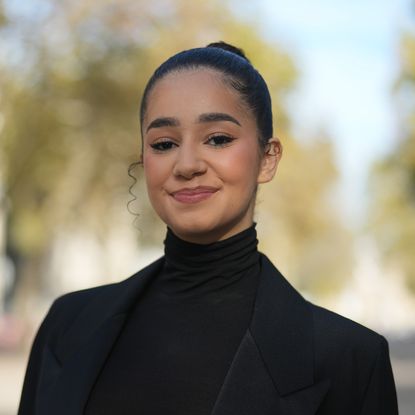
x=67 y=307
x=334 y=331
x=344 y=350
x=76 y=300
x=356 y=360
x=333 y=334
x=347 y=352
x=352 y=358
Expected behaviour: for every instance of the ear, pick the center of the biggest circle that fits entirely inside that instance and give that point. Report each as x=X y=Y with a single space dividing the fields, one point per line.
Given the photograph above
x=270 y=160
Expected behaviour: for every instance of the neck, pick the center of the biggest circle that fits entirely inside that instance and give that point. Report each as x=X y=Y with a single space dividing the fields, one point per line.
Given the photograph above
x=204 y=270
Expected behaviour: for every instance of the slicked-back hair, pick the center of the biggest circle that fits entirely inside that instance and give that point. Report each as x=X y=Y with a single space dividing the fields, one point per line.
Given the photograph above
x=237 y=72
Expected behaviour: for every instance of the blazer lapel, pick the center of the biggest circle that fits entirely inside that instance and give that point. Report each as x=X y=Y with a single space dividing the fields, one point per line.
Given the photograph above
x=248 y=389
x=85 y=347
x=272 y=371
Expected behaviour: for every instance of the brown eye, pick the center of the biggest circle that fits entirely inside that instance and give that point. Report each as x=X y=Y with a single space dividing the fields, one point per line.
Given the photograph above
x=220 y=140
x=163 y=145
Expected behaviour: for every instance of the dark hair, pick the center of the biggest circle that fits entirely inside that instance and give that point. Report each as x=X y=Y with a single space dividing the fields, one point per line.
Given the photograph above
x=238 y=73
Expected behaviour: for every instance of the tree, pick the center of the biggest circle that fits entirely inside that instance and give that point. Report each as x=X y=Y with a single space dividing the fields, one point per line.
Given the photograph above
x=393 y=178
x=71 y=128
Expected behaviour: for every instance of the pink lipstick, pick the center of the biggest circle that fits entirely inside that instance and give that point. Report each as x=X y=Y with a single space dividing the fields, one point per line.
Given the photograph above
x=194 y=195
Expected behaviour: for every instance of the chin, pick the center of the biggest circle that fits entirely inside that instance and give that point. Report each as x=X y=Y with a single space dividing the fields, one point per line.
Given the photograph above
x=197 y=231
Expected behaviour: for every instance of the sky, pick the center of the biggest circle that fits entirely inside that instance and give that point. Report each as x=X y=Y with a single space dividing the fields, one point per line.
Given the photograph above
x=347 y=56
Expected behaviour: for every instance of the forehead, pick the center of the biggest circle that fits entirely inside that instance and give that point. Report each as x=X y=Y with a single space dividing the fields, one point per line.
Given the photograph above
x=192 y=91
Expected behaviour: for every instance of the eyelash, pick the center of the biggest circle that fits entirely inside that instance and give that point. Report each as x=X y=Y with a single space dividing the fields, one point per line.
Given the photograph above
x=166 y=145
x=226 y=139
x=162 y=146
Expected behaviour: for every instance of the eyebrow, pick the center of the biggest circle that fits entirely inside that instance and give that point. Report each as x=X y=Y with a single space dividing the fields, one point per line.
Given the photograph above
x=203 y=118
x=163 y=122
x=217 y=116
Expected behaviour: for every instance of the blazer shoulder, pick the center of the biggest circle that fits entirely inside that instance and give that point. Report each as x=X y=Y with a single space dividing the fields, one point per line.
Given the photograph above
x=333 y=327
x=357 y=362
x=67 y=307
x=345 y=347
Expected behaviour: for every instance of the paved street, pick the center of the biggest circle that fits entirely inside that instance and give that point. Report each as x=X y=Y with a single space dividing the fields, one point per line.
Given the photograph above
x=403 y=363
x=12 y=366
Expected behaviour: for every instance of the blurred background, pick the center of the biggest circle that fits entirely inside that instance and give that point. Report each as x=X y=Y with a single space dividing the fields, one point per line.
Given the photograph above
x=339 y=218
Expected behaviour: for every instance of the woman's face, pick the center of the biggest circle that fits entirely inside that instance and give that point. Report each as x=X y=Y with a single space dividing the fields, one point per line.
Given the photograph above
x=201 y=156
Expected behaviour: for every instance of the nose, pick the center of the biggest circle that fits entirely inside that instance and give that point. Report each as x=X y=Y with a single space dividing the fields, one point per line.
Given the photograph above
x=189 y=162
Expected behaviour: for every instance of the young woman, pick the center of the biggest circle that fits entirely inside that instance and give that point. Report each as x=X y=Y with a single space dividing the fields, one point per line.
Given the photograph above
x=212 y=327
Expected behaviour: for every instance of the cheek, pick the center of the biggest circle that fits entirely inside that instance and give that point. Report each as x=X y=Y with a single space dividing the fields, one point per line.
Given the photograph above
x=154 y=175
x=153 y=167
x=241 y=165
x=154 y=172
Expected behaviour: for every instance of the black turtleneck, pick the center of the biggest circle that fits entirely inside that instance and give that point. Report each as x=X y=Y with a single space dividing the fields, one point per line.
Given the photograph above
x=179 y=341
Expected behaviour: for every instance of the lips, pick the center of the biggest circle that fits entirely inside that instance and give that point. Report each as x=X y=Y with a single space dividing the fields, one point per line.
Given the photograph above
x=194 y=195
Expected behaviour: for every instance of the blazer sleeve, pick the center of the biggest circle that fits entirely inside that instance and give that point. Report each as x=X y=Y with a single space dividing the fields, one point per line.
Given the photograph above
x=33 y=371
x=380 y=395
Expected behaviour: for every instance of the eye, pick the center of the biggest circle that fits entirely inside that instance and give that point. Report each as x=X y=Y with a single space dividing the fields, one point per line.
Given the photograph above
x=163 y=145
x=220 y=140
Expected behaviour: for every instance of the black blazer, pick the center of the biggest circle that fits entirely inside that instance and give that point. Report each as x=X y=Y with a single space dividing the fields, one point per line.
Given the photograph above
x=295 y=358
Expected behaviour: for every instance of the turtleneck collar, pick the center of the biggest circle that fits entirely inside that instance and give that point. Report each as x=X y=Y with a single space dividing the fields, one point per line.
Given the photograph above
x=197 y=270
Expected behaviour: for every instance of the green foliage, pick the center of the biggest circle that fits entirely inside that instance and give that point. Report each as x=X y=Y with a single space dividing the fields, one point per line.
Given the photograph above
x=70 y=104
x=302 y=232
x=393 y=178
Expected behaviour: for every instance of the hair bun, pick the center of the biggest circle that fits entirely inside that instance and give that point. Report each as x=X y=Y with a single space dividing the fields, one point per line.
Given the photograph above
x=229 y=48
